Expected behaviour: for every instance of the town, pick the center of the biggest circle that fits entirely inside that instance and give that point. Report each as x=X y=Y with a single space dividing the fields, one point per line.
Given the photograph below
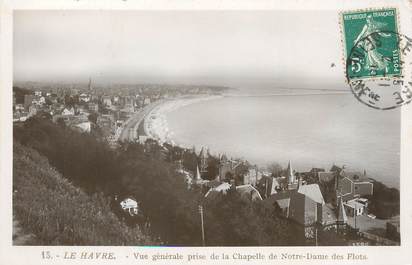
x=109 y=110
x=336 y=202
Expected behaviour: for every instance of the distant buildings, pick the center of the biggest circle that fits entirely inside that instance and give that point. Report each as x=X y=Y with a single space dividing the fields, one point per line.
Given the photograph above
x=68 y=111
x=84 y=98
x=93 y=107
x=28 y=100
x=203 y=156
x=247 y=191
x=237 y=169
x=107 y=101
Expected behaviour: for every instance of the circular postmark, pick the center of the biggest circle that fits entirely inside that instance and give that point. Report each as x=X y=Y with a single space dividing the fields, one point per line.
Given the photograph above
x=379 y=70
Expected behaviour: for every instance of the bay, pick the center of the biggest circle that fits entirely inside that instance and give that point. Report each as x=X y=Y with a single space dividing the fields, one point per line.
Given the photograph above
x=309 y=130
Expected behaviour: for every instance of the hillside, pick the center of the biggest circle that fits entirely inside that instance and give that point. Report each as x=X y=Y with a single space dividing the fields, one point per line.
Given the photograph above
x=49 y=207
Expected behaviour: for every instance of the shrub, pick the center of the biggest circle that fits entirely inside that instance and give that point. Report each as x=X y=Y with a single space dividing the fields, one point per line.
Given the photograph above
x=57 y=213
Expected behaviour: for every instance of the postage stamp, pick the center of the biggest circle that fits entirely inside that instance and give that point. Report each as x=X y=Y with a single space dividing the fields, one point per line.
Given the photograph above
x=375 y=53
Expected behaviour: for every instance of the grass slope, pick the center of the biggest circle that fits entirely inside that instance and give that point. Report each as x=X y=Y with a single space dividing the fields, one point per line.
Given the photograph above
x=49 y=207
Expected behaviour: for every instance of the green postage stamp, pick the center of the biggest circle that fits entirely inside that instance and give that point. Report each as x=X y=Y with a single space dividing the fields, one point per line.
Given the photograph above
x=375 y=53
x=371 y=43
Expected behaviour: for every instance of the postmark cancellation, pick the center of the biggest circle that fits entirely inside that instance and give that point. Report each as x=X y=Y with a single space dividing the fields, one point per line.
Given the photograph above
x=377 y=67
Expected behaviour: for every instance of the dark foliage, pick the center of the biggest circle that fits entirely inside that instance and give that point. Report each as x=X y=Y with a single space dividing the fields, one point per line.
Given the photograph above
x=233 y=221
x=385 y=201
x=49 y=207
x=19 y=93
x=148 y=173
x=86 y=161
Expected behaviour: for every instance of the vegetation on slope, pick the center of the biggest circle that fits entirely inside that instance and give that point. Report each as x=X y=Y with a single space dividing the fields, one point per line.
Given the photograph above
x=146 y=172
x=57 y=213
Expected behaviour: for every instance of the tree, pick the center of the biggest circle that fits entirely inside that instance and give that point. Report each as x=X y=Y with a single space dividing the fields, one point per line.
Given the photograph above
x=190 y=160
x=231 y=220
x=93 y=117
x=212 y=168
x=275 y=169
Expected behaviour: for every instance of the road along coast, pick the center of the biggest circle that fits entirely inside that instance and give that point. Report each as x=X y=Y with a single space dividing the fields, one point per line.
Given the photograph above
x=151 y=120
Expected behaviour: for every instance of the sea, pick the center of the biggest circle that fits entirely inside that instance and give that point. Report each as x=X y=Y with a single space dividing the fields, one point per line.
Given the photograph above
x=308 y=129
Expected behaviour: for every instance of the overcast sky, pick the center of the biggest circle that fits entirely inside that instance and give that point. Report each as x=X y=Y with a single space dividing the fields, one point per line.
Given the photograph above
x=292 y=48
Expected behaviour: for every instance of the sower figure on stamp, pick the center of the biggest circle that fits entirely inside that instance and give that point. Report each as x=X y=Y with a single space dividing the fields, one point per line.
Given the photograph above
x=374 y=61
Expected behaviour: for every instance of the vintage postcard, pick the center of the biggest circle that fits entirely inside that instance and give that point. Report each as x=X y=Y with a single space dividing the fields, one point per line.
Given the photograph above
x=188 y=133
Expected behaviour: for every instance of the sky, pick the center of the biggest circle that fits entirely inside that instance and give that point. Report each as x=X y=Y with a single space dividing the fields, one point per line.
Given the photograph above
x=289 y=48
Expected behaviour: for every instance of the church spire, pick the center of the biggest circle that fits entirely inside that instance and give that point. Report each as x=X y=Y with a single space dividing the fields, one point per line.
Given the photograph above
x=197 y=173
x=290 y=173
x=90 y=84
x=341 y=214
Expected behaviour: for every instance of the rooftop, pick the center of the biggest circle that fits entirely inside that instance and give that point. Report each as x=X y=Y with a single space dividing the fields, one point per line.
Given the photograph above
x=313 y=192
x=355 y=176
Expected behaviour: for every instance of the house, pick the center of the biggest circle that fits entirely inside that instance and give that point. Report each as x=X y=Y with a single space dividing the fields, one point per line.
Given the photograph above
x=303 y=205
x=116 y=99
x=357 y=206
x=32 y=110
x=252 y=176
x=287 y=199
x=142 y=138
x=352 y=185
x=130 y=205
x=19 y=107
x=84 y=97
x=224 y=167
x=223 y=188
x=281 y=199
x=39 y=100
x=68 y=111
x=107 y=101
x=83 y=126
x=249 y=192
x=268 y=185
x=93 y=107
x=313 y=192
x=229 y=168
x=304 y=210
x=146 y=101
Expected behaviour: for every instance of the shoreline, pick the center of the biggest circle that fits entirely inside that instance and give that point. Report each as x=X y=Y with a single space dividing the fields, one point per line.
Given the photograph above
x=155 y=122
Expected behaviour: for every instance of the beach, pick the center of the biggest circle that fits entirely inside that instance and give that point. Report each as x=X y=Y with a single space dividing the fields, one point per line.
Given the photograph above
x=155 y=122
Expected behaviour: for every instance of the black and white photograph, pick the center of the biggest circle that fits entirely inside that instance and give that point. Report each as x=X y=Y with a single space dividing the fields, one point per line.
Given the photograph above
x=201 y=128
